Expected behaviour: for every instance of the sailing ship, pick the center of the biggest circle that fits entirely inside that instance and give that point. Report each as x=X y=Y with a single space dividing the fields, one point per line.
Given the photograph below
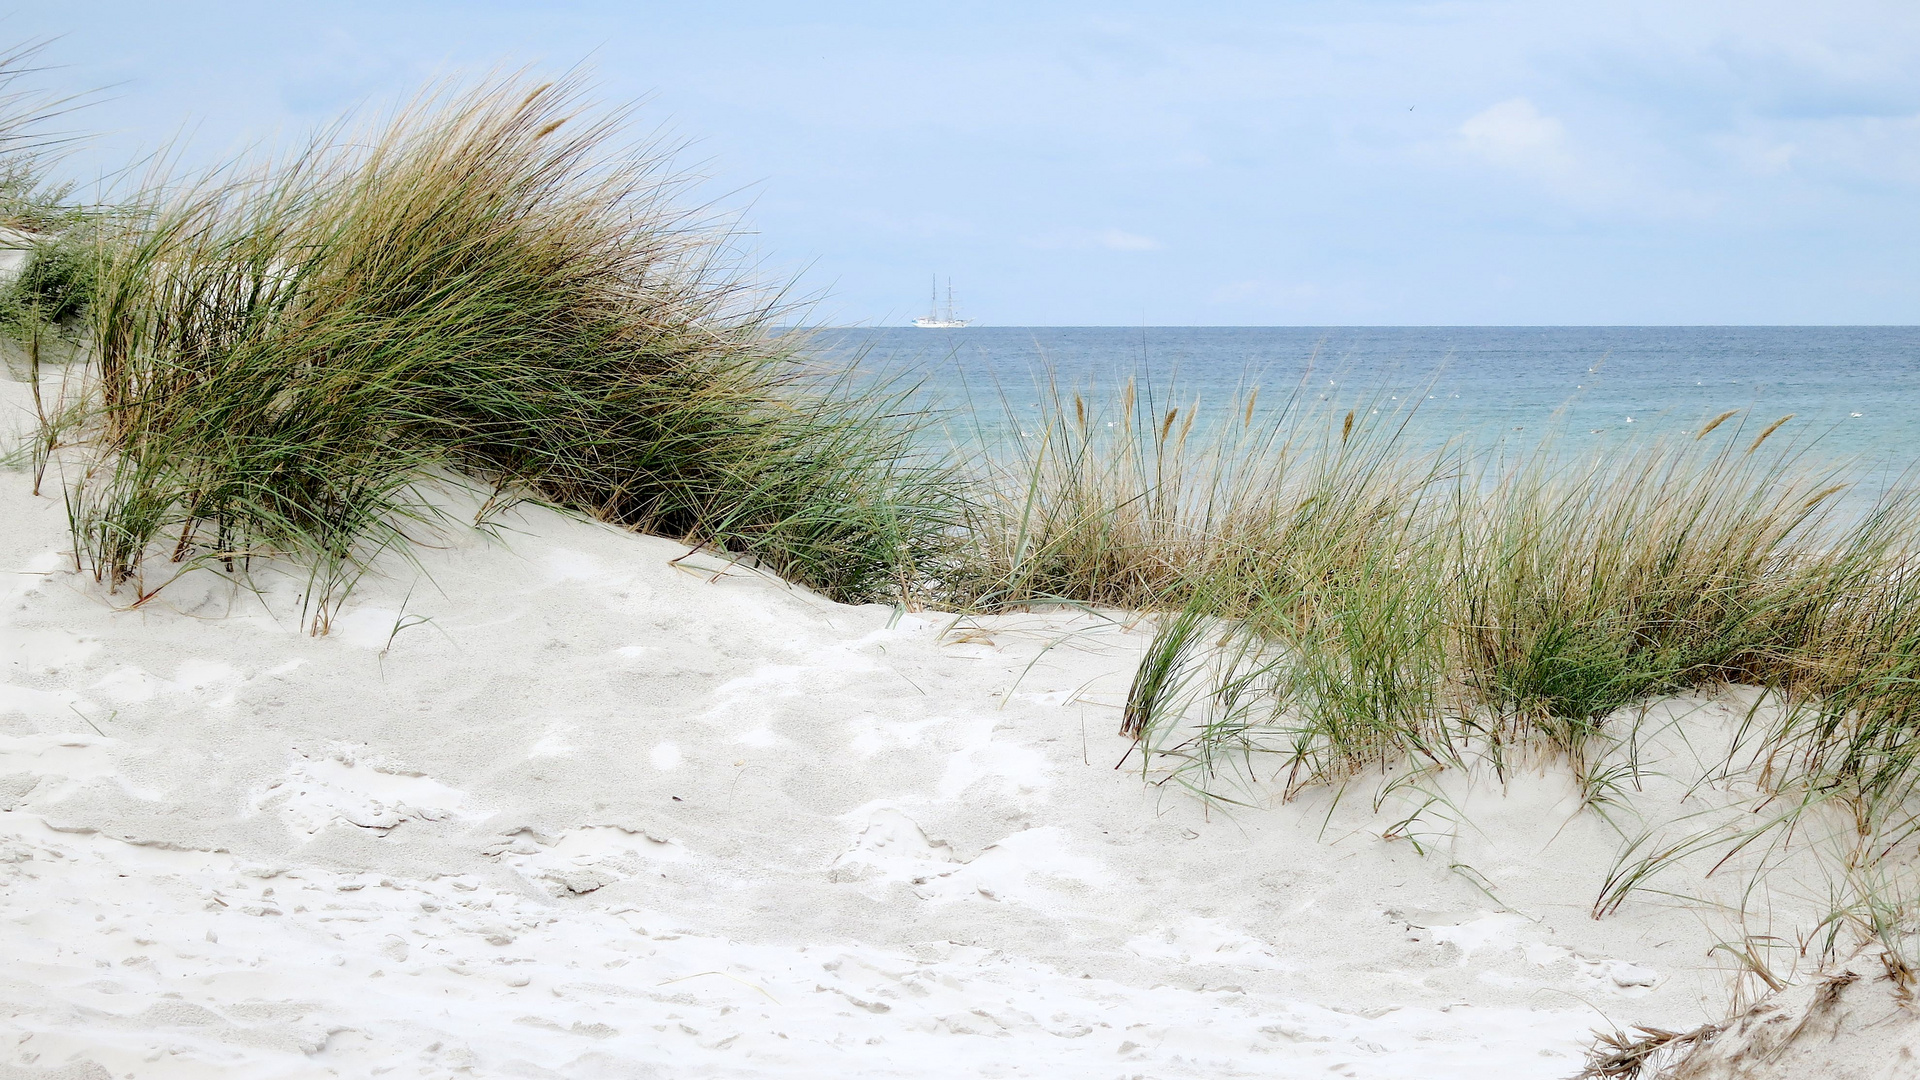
x=935 y=318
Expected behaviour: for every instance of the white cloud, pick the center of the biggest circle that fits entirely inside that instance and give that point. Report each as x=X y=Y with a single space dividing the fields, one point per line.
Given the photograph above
x=1515 y=135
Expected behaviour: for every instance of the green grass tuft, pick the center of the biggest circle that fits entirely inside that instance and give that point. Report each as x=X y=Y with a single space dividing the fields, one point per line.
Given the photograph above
x=486 y=285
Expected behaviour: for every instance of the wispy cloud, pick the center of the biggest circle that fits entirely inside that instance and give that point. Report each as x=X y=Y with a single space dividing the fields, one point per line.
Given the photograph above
x=1516 y=135
x=1093 y=239
x=1516 y=138
x=1121 y=240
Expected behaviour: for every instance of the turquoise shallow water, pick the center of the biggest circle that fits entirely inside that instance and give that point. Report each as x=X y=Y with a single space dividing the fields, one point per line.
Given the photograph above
x=1855 y=391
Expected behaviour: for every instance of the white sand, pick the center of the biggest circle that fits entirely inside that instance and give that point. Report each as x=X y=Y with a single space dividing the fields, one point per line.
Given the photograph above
x=602 y=816
x=1854 y=1026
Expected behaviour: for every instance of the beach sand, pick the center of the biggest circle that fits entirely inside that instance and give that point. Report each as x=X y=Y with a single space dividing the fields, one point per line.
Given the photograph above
x=558 y=802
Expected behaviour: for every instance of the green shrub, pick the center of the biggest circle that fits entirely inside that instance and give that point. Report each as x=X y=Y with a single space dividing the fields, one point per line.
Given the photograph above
x=57 y=281
x=53 y=288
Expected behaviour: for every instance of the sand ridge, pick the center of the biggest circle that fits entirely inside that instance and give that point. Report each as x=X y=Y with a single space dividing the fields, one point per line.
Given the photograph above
x=561 y=802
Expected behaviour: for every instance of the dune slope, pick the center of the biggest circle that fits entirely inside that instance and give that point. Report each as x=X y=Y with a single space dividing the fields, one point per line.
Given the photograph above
x=559 y=802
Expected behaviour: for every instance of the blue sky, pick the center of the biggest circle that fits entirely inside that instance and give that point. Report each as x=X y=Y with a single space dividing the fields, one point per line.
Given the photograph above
x=1367 y=162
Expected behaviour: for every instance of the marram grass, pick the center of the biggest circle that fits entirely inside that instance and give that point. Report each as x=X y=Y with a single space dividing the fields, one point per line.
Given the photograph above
x=1335 y=597
x=487 y=285
x=1389 y=608
x=1141 y=501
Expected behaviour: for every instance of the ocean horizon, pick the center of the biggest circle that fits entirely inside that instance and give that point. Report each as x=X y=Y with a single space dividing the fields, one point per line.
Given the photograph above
x=1849 y=389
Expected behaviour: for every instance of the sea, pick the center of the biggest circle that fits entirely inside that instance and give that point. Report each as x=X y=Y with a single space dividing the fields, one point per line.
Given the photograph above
x=1853 y=392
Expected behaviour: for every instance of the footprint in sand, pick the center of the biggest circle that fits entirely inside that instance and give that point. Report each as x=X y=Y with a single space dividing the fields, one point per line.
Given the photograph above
x=314 y=794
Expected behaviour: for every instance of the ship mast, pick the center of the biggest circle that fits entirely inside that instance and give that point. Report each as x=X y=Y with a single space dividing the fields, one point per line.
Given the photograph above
x=937 y=316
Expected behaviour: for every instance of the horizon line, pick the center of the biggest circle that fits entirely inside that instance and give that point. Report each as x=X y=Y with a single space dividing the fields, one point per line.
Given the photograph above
x=1362 y=326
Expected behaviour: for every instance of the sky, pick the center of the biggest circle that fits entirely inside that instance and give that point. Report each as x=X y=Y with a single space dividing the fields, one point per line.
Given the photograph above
x=1369 y=162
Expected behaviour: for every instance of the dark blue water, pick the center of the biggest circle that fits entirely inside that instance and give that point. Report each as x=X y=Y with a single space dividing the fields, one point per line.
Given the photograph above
x=1854 y=391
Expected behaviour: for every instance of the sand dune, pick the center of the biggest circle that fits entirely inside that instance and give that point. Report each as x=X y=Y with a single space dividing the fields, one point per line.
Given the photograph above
x=559 y=802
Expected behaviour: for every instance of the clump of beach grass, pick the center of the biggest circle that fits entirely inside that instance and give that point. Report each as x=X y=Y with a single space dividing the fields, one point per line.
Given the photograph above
x=1585 y=584
x=1361 y=602
x=1284 y=530
x=1332 y=596
x=492 y=284
x=1140 y=500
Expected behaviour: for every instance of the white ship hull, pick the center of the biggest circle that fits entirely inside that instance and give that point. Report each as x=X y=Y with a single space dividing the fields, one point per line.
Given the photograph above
x=935 y=318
